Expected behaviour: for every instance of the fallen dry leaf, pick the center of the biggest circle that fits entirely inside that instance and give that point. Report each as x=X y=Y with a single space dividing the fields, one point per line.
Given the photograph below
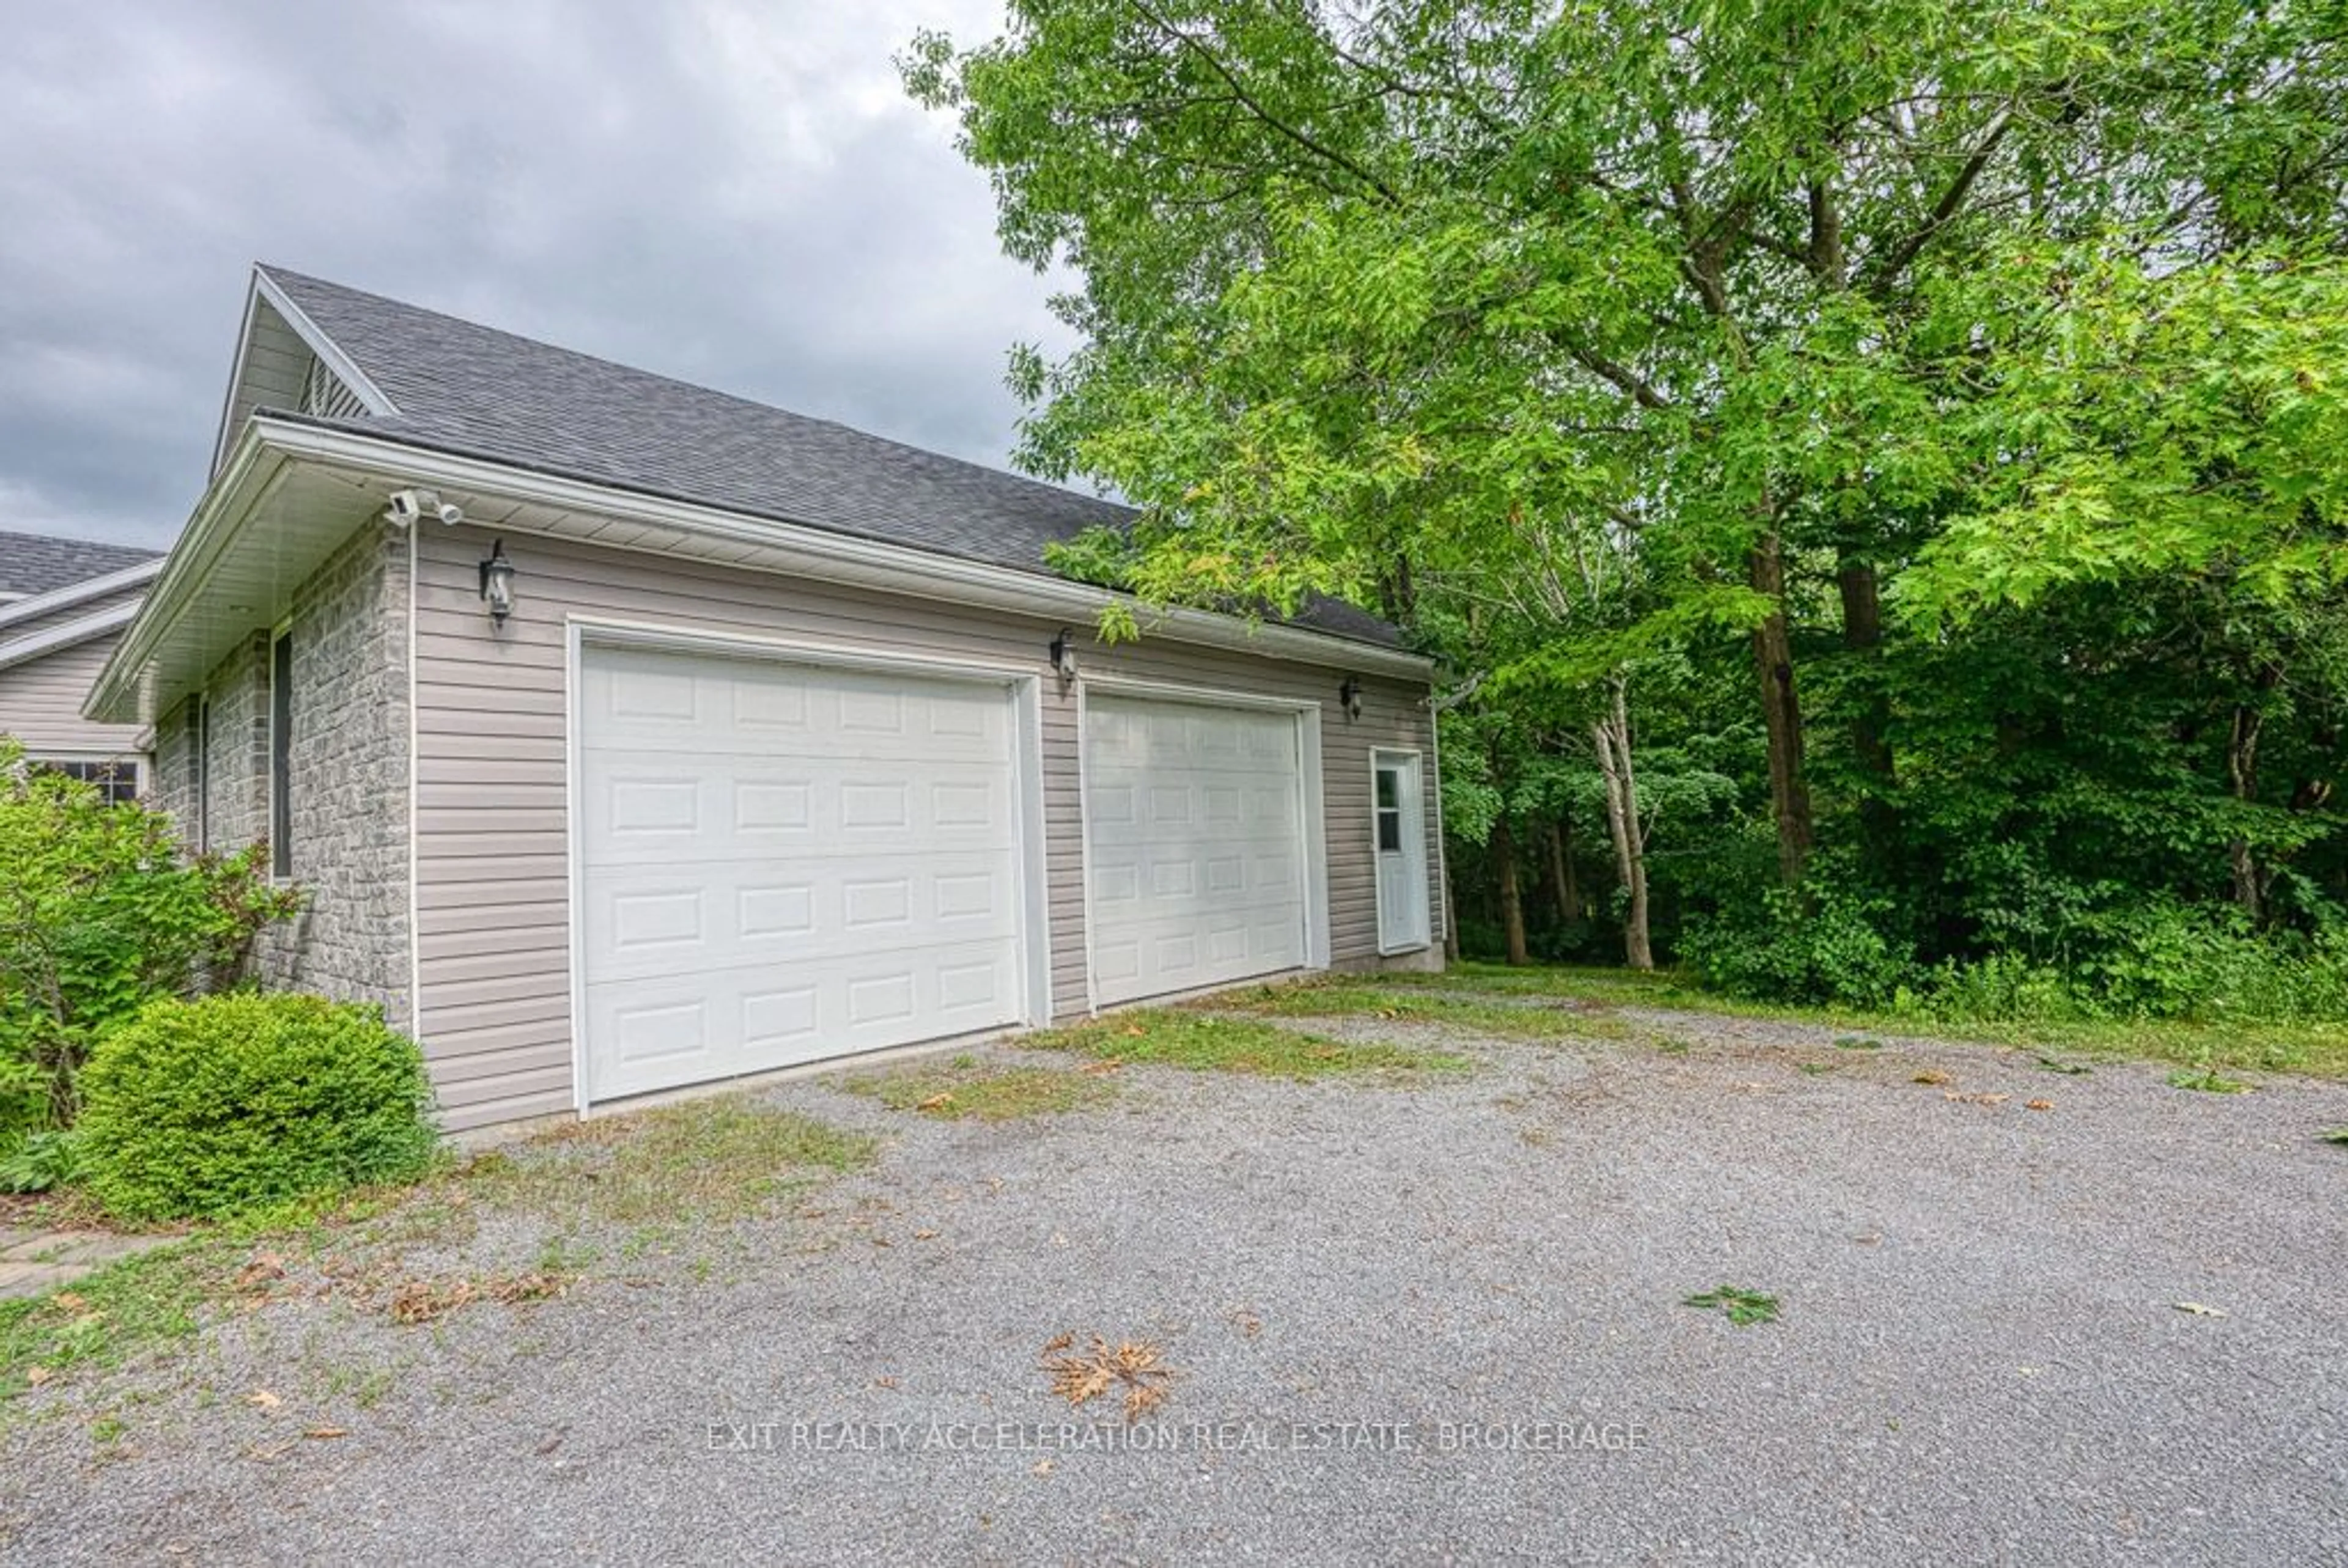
x=36 y=1376
x=263 y=1399
x=2040 y=1105
x=66 y=1301
x=1042 y=1467
x=1137 y=1031
x=1933 y=1075
x=2197 y=1310
x=323 y=1434
x=936 y=1101
x=1106 y=1064
x=1082 y=1377
x=1059 y=1342
x=925 y=1236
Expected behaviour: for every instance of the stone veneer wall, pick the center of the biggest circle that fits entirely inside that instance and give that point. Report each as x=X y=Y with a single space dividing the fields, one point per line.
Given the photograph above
x=349 y=767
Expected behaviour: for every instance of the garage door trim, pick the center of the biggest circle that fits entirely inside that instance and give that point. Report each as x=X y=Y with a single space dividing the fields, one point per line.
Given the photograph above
x=1312 y=825
x=1025 y=695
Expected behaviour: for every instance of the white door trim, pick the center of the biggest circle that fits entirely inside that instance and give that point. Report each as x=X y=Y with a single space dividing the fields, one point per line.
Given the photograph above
x=1312 y=827
x=1413 y=853
x=1023 y=692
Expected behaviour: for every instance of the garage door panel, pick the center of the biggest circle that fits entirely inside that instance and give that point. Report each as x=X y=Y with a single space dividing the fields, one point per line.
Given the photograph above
x=641 y=920
x=782 y=863
x=1193 y=855
x=640 y=811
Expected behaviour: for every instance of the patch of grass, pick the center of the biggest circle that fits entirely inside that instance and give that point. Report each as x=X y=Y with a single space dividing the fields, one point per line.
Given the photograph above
x=1743 y=1307
x=2207 y=1081
x=106 y=1317
x=962 y=1090
x=717 y=1159
x=1349 y=998
x=1175 y=1037
x=1815 y=1069
x=2336 y=1135
x=724 y=1158
x=1856 y=1042
x=2315 y=1049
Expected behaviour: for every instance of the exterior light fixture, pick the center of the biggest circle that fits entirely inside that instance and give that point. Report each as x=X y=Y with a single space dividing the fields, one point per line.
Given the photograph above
x=1349 y=696
x=1064 y=656
x=498 y=583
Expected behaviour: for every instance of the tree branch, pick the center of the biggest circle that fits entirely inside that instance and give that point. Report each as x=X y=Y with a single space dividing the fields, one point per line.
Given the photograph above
x=1952 y=201
x=1301 y=137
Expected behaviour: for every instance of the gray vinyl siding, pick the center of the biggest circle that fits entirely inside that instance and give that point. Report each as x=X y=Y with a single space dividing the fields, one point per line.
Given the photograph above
x=492 y=915
x=41 y=699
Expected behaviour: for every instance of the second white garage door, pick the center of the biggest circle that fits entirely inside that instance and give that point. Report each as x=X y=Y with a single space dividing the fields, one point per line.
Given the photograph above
x=781 y=862
x=1193 y=844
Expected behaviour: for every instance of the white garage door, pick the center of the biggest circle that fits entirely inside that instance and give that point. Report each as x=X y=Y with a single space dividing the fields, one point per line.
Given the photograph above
x=781 y=863
x=1193 y=844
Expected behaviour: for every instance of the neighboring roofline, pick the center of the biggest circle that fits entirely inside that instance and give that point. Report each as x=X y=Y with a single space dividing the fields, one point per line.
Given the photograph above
x=33 y=607
x=266 y=288
x=39 y=644
x=268 y=444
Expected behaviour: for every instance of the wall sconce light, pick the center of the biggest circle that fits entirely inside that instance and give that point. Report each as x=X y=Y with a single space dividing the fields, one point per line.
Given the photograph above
x=1349 y=696
x=1064 y=656
x=498 y=583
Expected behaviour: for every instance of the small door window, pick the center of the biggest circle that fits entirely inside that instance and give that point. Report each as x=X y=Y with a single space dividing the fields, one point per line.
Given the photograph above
x=1389 y=813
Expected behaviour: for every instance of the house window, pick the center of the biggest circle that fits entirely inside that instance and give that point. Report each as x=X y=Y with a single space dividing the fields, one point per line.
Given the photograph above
x=281 y=755
x=1389 y=813
x=118 y=783
x=204 y=741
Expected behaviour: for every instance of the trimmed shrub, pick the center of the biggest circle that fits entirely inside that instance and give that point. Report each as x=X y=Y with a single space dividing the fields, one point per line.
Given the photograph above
x=234 y=1102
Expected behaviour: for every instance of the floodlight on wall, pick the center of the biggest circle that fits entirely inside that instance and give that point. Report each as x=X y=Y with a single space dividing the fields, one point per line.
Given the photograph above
x=1064 y=656
x=498 y=583
x=1349 y=696
x=409 y=508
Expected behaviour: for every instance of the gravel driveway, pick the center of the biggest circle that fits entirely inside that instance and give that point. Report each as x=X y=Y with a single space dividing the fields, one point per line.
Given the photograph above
x=1411 y=1323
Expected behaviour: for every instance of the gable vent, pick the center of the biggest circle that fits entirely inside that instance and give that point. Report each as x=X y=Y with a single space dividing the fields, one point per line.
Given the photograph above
x=324 y=396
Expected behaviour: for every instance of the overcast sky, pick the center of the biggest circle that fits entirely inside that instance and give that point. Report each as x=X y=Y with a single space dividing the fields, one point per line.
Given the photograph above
x=733 y=191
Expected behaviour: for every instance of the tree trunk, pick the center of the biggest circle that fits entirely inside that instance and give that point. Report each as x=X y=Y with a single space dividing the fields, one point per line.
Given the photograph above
x=2242 y=773
x=1561 y=868
x=1513 y=903
x=1862 y=633
x=1611 y=736
x=1781 y=712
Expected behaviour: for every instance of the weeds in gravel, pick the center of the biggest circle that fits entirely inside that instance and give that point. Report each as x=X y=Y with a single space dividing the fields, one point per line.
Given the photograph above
x=1176 y=1037
x=1856 y=1042
x=2336 y=1135
x=2206 y=1080
x=422 y=1300
x=717 y=1159
x=962 y=1090
x=723 y=1158
x=1743 y=1307
x=1349 y=998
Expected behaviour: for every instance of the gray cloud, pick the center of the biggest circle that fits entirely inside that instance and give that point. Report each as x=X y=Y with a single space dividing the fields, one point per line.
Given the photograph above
x=731 y=191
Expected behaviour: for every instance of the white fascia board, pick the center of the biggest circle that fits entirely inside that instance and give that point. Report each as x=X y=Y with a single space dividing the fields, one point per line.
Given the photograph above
x=835 y=557
x=33 y=606
x=250 y=468
x=65 y=635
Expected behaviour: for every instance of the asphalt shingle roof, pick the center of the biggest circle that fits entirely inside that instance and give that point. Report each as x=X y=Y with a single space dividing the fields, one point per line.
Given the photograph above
x=476 y=391
x=36 y=563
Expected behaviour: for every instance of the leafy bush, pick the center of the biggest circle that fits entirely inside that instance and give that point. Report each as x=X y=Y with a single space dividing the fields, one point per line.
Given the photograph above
x=99 y=914
x=41 y=1162
x=1818 y=945
x=237 y=1101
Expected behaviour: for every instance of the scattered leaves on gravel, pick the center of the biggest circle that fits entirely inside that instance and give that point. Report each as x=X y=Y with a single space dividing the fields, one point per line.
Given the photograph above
x=1933 y=1075
x=422 y=1300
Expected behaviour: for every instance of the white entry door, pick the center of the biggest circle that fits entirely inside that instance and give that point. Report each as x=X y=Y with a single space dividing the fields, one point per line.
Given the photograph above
x=1194 y=855
x=1400 y=844
x=781 y=863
